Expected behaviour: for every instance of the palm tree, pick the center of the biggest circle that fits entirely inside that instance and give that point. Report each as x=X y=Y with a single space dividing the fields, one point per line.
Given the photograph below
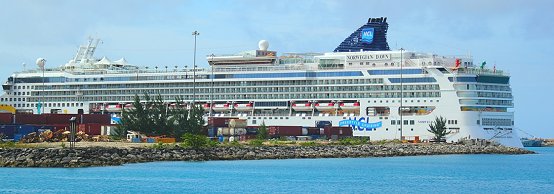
x=438 y=128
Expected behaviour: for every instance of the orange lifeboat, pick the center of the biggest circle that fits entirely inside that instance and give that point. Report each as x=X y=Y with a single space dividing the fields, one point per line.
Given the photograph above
x=302 y=106
x=325 y=106
x=206 y=107
x=221 y=107
x=114 y=107
x=244 y=107
x=350 y=106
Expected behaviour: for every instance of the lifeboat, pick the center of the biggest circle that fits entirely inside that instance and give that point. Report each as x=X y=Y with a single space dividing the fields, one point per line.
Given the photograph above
x=302 y=106
x=206 y=107
x=325 y=106
x=114 y=107
x=244 y=107
x=221 y=107
x=129 y=106
x=350 y=106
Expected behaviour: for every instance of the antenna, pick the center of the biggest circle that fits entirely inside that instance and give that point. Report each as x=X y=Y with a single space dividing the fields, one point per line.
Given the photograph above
x=24 y=67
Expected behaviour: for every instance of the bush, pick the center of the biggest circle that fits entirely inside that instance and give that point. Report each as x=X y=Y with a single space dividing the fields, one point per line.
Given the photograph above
x=256 y=142
x=309 y=143
x=9 y=144
x=353 y=141
x=235 y=143
x=195 y=141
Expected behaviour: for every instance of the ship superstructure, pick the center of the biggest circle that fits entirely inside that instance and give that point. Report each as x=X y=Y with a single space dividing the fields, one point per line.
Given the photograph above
x=361 y=85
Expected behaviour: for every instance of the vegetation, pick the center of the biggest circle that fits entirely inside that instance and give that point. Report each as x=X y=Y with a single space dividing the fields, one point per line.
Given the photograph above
x=262 y=132
x=438 y=128
x=309 y=143
x=353 y=141
x=256 y=142
x=154 y=117
x=196 y=141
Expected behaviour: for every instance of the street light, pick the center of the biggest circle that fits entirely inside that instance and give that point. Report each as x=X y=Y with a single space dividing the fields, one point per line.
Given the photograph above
x=212 y=86
x=195 y=34
x=401 y=91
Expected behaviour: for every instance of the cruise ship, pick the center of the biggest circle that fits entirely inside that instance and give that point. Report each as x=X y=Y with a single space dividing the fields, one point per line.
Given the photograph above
x=380 y=93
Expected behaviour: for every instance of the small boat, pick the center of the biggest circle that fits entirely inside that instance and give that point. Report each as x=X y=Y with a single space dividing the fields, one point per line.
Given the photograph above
x=350 y=106
x=302 y=106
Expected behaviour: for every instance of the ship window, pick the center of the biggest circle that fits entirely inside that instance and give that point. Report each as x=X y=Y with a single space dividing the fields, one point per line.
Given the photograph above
x=478 y=122
x=387 y=129
x=393 y=122
x=412 y=129
x=412 y=122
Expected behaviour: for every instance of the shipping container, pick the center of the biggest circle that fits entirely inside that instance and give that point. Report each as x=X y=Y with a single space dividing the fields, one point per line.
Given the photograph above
x=25 y=129
x=90 y=129
x=136 y=140
x=238 y=123
x=8 y=131
x=212 y=132
x=150 y=140
x=47 y=119
x=331 y=131
x=237 y=131
x=166 y=140
x=277 y=131
x=95 y=118
x=219 y=121
x=107 y=129
x=304 y=130
x=314 y=131
x=17 y=137
x=251 y=131
x=6 y=118
x=223 y=131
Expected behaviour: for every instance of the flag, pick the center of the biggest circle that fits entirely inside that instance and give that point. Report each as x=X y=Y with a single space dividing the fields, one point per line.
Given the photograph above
x=483 y=64
x=494 y=69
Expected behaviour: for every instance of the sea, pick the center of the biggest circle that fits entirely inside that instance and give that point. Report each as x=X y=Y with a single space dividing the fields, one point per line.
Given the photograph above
x=482 y=173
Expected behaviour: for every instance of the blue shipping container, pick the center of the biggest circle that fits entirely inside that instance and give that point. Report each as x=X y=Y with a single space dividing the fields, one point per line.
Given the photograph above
x=17 y=137
x=150 y=140
x=26 y=129
x=221 y=138
x=8 y=131
x=251 y=131
x=212 y=132
x=136 y=140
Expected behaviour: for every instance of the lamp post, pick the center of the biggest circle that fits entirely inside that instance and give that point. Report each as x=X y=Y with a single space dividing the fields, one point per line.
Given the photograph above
x=212 y=86
x=195 y=34
x=401 y=91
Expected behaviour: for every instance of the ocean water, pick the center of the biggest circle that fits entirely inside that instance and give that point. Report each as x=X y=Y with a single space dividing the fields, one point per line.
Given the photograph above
x=414 y=174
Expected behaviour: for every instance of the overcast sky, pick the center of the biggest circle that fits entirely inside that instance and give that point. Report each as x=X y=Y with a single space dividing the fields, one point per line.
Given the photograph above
x=514 y=35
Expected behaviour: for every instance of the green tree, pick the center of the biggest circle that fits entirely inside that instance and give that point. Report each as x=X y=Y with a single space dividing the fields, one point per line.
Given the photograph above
x=154 y=117
x=262 y=132
x=438 y=128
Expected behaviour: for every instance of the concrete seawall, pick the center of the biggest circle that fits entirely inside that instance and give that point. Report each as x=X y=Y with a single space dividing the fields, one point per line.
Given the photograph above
x=110 y=156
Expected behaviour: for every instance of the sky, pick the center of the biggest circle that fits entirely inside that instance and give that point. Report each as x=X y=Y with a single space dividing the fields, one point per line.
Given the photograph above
x=514 y=35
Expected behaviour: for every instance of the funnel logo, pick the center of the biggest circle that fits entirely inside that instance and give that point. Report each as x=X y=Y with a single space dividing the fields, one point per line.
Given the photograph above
x=361 y=124
x=367 y=35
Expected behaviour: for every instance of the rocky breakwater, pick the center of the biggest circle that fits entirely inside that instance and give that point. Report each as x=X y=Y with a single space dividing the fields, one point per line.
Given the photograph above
x=109 y=156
